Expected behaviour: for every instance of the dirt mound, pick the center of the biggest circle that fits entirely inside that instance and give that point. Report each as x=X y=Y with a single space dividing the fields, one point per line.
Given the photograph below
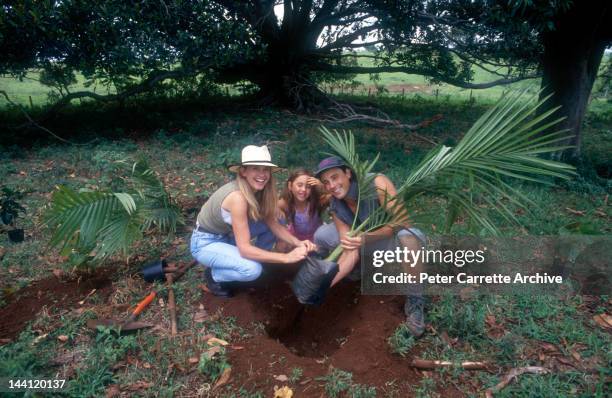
x=51 y=292
x=348 y=331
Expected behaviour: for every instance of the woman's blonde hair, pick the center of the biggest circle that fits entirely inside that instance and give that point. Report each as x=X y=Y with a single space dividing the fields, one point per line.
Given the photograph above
x=262 y=204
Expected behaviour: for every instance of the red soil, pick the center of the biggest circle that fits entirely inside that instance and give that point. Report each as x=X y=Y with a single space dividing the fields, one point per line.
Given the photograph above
x=348 y=331
x=51 y=292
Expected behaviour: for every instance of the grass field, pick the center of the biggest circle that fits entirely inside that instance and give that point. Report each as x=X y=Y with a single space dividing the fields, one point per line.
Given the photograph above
x=189 y=148
x=392 y=84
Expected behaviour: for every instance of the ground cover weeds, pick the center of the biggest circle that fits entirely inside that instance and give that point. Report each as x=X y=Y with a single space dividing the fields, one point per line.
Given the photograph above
x=338 y=381
x=108 y=349
x=401 y=341
x=524 y=324
x=213 y=365
x=22 y=359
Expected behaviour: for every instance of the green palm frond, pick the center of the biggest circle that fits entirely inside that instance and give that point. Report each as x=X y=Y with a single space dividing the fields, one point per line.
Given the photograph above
x=118 y=236
x=504 y=143
x=105 y=223
x=343 y=144
x=144 y=180
x=161 y=213
x=82 y=213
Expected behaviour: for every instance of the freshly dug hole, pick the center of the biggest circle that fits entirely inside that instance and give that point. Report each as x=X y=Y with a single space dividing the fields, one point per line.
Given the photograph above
x=348 y=331
x=307 y=331
x=310 y=331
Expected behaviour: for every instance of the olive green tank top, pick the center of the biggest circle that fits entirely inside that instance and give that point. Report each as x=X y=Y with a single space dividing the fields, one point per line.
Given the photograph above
x=210 y=218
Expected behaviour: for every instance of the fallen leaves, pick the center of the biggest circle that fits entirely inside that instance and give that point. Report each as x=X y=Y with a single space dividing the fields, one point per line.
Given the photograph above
x=445 y=337
x=223 y=379
x=139 y=385
x=201 y=315
x=601 y=214
x=546 y=350
x=282 y=378
x=575 y=212
x=603 y=320
x=495 y=330
x=214 y=340
x=212 y=351
x=39 y=338
x=283 y=392
x=112 y=391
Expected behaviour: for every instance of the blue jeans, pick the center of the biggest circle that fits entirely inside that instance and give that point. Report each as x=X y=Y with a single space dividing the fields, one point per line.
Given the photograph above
x=219 y=252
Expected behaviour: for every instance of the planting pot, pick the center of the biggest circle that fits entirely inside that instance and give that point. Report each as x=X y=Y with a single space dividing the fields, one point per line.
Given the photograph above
x=15 y=235
x=313 y=279
x=154 y=271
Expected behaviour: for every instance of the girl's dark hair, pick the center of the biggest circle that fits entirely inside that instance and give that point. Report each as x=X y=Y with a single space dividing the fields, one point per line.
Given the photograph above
x=316 y=207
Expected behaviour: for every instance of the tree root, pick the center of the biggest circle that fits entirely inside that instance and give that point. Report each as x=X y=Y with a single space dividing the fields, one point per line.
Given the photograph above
x=512 y=374
x=433 y=364
x=328 y=110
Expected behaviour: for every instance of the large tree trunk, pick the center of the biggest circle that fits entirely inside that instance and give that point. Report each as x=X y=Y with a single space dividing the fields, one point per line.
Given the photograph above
x=284 y=79
x=572 y=54
x=291 y=89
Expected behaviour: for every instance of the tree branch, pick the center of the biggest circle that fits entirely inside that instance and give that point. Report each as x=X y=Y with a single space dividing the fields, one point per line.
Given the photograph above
x=145 y=86
x=336 y=19
x=349 y=38
x=417 y=71
x=33 y=122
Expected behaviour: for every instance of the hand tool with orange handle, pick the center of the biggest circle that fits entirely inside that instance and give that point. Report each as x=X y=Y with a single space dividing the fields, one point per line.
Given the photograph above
x=128 y=324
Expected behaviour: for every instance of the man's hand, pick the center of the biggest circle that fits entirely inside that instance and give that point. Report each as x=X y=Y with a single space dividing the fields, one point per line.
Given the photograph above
x=351 y=242
x=310 y=247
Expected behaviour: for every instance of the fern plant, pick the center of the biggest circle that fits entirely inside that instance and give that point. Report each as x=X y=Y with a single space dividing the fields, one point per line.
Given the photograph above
x=98 y=224
x=504 y=143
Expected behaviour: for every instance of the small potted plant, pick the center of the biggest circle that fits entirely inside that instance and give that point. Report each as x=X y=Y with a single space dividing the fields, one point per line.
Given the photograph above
x=9 y=212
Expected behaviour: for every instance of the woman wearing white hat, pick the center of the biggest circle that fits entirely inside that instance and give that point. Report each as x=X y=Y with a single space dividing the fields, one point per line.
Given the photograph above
x=237 y=227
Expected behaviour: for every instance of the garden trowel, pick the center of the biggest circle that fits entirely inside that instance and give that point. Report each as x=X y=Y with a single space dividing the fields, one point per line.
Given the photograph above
x=130 y=323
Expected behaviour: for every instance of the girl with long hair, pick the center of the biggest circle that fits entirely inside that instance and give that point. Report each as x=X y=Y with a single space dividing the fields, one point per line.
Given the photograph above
x=302 y=204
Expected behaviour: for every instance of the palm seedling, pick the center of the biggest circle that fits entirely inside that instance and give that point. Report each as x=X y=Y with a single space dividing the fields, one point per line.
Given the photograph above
x=503 y=144
x=101 y=223
x=10 y=208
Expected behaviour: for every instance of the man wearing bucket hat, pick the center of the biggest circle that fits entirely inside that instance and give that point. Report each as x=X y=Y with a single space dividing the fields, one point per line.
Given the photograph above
x=237 y=227
x=337 y=179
